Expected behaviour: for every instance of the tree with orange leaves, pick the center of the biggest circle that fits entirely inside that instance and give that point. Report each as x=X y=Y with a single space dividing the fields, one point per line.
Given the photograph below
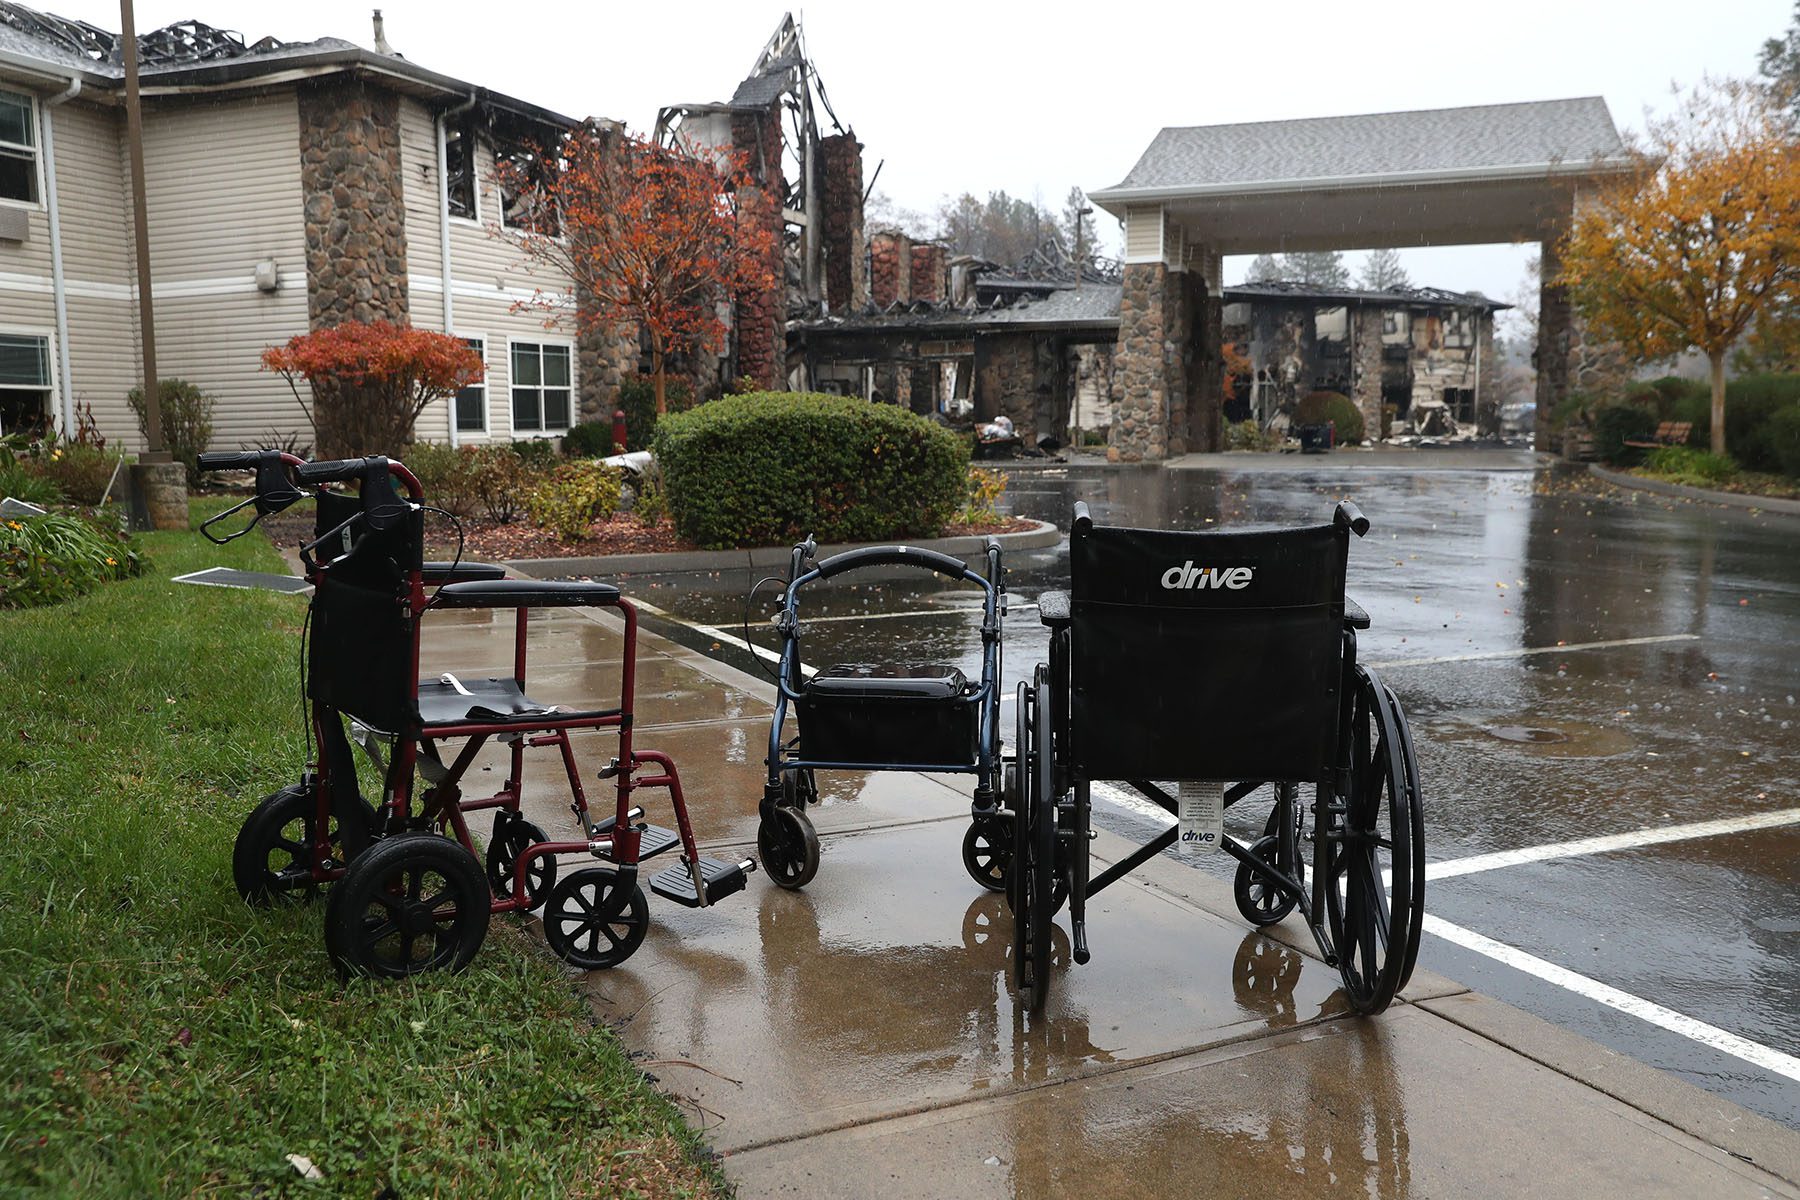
x=647 y=234
x=1684 y=252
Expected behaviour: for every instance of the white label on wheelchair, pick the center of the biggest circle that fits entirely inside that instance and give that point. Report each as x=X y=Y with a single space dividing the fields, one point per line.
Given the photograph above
x=1202 y=815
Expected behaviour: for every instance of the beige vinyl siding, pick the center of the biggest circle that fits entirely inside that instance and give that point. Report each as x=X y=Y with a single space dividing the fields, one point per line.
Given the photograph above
x=424 y=255
x=1143 y=233
x=223 y=183
x=98 y=264
x=492 y=276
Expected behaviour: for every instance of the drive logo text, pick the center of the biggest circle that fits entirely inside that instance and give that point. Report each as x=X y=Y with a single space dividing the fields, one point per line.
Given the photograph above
x=1187 y=576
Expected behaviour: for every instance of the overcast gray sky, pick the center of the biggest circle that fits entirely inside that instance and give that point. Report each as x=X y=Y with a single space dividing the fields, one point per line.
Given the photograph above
x=1033 y=98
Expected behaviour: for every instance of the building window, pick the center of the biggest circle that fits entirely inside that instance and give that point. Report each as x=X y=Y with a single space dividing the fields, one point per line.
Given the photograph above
x=18 y=148
x=542 y=387
x=529 y=210
x=24 y=384
x=459 y=170
x=471 y=402
x=1459 y=329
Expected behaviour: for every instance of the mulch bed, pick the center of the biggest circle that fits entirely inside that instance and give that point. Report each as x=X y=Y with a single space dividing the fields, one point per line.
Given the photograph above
x=489 y=541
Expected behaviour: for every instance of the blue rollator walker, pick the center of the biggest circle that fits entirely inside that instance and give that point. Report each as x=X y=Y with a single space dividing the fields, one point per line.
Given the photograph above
x=861 y=717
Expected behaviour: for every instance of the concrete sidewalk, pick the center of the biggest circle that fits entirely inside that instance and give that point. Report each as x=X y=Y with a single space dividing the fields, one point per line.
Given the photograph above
x=860 y=1038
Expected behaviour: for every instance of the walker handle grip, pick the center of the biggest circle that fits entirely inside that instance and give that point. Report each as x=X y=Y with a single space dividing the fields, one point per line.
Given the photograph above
x=332 y=470
x=895 y=556
x=1348 y=516
x=230 y=460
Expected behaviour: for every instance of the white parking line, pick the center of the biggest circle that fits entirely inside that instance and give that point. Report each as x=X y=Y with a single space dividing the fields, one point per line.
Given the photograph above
x=1527 y=651
x=1773 y=1061
x=712 y=631
x=1451 y=868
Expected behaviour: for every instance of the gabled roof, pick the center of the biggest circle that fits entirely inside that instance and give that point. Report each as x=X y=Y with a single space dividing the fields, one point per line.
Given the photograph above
x=1427 y=145
x=1428 y=297
x=190 y=54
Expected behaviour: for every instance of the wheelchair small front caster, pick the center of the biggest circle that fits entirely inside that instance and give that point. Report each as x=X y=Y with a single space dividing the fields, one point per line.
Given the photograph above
x=986 y=851
x=1260 y=902
x=412 y=902
x=788 y=847
x=512 y=836
x=592 y=923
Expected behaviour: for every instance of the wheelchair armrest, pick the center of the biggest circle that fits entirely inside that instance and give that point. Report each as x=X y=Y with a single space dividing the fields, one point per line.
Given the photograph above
x=526 y=593
x=1354 y=615
x=442 y=572
x=1053 y=608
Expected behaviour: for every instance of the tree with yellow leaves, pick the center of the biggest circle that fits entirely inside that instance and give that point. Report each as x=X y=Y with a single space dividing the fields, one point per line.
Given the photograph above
x=1686 y=250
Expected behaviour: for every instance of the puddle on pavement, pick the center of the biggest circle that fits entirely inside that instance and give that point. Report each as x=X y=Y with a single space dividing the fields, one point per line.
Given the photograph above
x=1541 y=738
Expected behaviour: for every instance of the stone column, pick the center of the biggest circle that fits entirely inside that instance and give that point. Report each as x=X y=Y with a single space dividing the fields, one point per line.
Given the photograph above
x=1487 y=377
x=1365 y=367
x=1206 y=373
x=1142 y=366
x=761 y=316
x=1554 y=338
x=354 y=204
x=890 y=268
x=926 y=272
x=841 y=222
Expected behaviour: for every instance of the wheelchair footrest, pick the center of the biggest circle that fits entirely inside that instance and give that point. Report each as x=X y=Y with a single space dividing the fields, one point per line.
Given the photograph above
x=654 y=840
x=722 y=880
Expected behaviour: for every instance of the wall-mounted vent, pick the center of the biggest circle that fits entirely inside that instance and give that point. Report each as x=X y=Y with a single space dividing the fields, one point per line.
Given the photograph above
x=15 y=225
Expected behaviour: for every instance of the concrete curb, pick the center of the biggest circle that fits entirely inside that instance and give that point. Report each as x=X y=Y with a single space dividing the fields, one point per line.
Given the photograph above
x=763 y=557
x=1767 y=504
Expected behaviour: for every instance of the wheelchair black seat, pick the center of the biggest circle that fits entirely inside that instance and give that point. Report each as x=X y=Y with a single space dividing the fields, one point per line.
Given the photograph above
x=449 y=700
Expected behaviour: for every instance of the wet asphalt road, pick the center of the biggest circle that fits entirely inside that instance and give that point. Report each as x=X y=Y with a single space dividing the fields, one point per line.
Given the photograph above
x=1462 y=564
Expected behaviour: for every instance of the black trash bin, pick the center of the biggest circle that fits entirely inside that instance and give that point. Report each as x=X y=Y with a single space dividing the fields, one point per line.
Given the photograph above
x=1315 y=439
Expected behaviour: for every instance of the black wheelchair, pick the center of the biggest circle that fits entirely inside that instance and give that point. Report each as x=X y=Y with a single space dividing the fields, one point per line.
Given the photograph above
x=1226 y=659
x=860 y=716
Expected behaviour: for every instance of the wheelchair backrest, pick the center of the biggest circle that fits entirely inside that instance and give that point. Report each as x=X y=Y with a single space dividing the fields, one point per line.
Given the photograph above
x=360 y=653
x=1206 y=655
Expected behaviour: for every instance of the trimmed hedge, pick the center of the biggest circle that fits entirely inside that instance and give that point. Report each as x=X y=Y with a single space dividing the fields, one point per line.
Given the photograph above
x=1752 y=403
x=767 y=468
x=1616 y=424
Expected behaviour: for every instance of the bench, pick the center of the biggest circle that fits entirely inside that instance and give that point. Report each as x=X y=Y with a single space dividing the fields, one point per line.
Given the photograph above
x=1669 y=433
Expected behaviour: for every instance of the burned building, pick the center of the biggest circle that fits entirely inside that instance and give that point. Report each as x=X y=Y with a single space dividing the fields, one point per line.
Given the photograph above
x=985 y=342
x=1423 y=357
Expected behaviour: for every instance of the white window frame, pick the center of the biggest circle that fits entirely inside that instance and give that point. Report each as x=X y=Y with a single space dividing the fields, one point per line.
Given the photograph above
x=486 y=386
x=54 y=397
x=35 y=120
x=543 y=431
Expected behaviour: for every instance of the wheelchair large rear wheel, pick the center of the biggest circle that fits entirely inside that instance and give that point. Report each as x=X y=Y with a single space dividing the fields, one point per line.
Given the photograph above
x=1037 y=871
x=412 y=902
x=1374 y=854
x=272 y=859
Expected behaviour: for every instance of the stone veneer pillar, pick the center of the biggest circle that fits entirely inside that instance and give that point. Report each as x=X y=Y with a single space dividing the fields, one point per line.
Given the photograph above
x=1555 y=336
x=1144 y=374
x=354 y=204
x=841 y=222
x=890 y=268
x=762 y=315
x=1365 y=367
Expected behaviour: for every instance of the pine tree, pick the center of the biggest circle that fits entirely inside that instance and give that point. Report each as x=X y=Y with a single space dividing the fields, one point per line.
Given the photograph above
x=1382 y=271
x=1263 y=269
x=1317 y=268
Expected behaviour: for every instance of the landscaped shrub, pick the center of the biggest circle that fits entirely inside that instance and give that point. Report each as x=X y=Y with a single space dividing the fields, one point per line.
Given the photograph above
x=986 y=486
x=447 y=473
x=538 y=454
x=370 y=381
x=80 y=472
x=1751 y=404
x=1616 y=424
x=637 y=397
x=19 y=480
x=1317 y=408
x=1784 y=440
x=187 y=414
x=590 y=439
x=56 y=557
x=1248 y=435
x=1685 y=464
x=500 y=478
x=572 y=497
x=770 y=467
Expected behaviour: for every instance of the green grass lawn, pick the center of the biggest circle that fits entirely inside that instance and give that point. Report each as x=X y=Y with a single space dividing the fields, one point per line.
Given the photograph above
x=158 y=1037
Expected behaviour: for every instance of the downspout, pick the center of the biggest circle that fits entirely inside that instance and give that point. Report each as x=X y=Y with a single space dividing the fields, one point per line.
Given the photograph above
x=443 y=155
x=64 y=384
